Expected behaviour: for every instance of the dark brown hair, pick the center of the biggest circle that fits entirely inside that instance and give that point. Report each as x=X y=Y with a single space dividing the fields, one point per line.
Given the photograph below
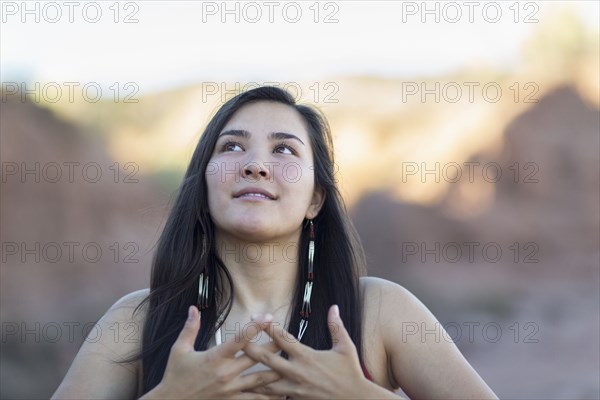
x=186 y=248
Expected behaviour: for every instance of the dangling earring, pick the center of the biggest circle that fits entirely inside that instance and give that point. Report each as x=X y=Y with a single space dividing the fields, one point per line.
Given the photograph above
x=203 y=292
x=203 y=282
x=305 y=312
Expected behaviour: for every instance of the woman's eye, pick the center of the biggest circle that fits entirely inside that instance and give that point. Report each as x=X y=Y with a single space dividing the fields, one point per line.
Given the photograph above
x=284 y=149
x=232 y=146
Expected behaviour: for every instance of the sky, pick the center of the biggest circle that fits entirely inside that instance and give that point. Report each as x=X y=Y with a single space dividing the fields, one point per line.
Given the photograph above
x=160 y=45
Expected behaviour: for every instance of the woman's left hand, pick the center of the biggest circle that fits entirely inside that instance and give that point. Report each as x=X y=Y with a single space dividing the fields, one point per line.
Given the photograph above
x=310 y=373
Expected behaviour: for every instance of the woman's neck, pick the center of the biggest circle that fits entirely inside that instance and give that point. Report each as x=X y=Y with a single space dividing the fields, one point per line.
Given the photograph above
x=263 y=274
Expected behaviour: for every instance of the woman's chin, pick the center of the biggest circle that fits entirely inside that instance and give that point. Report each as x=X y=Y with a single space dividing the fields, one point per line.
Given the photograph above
x=255 y=230
x=254 y=227
x=254 y=233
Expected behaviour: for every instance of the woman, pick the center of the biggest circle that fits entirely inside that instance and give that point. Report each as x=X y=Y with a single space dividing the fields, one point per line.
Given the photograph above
x=256 y=288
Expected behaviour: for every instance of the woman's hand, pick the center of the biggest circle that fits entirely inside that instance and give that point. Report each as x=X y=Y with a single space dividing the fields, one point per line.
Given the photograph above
x=309 y=373
x=214 y=373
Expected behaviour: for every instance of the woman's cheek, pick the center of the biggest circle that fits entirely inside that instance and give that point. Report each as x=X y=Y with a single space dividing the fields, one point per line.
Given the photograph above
x=291 y=172
x=222 y=172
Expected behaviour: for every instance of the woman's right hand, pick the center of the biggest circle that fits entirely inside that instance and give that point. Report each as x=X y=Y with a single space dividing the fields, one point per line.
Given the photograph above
x=210 y=374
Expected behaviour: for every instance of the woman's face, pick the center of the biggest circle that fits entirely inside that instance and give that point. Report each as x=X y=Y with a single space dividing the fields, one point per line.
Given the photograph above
x=260 y=177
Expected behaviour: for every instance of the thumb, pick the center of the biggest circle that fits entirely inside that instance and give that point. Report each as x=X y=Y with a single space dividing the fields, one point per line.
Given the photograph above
x=339 y=335
x=187 y=337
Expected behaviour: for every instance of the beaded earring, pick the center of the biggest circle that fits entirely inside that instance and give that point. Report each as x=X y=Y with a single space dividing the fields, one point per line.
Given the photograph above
x=305 y=312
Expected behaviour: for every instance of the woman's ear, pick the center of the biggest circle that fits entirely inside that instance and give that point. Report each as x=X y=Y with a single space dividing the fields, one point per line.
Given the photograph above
x=316 y=203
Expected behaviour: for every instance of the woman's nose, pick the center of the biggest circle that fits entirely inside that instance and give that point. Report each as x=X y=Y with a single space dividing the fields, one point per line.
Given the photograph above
x=254 y=170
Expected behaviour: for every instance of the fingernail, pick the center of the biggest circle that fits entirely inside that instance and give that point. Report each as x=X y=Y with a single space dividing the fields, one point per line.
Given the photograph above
x=336 y=310
x=269 y=317
x=190 y=313
x=256 y=317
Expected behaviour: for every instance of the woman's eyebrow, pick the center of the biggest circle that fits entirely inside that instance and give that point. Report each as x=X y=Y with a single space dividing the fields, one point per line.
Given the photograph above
x=283 y=135
x=272 y=136
x=236 y=132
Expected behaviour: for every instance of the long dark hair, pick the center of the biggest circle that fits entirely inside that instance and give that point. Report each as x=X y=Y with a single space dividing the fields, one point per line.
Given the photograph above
x=186 y=248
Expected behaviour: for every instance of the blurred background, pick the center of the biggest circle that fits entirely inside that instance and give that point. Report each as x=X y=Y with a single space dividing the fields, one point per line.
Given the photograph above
x=467 y=145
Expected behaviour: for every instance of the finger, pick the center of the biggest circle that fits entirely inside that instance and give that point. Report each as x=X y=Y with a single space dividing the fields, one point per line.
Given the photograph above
x=244 y=361
x=262 y=318
x=187 y=337
x=273 y=397
x=231 y=348
x=284 y=339
x=251 y=395
x=269 y=346
x=339 y=335
x=277 y=388
x=271 y=360
x=254 y=380
x=259 y=396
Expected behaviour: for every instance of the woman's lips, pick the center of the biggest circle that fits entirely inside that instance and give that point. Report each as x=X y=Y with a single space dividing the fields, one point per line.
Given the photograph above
x=254 y=192
x=257 y=196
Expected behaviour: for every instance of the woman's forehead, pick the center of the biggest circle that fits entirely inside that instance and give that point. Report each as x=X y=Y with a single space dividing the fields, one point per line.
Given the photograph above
x=265 y=117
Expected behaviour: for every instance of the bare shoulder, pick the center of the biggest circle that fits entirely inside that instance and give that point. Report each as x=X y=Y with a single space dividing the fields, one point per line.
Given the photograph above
x=424 y=361
x=394 y=305
x=385 y=291
x=123 y=308
x=375 y=282
x=100 y=368
x=125 y=320
x=382 y=300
